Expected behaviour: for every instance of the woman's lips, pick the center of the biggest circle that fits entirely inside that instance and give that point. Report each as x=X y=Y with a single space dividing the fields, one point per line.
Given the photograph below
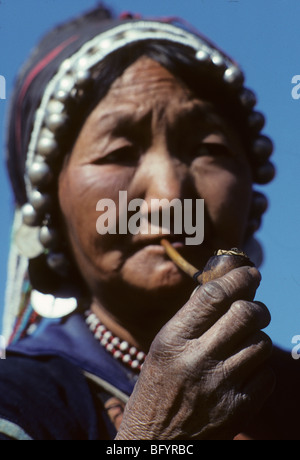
x=156 y=247
x=178 y=244
x=195 y=255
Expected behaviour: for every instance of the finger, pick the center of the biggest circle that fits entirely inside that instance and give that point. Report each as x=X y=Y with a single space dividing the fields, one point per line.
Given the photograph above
x=256 y=350
x=213 y=299
x=237 y=324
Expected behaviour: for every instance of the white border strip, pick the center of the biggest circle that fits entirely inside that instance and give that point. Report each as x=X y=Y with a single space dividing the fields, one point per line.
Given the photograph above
x=13 y=430
x=107 y=387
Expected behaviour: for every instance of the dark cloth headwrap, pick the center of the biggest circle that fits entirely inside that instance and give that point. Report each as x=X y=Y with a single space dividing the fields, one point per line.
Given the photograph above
x=42 y=65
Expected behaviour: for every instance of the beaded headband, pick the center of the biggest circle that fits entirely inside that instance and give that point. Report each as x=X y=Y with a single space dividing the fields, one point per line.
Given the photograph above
x=69 y=84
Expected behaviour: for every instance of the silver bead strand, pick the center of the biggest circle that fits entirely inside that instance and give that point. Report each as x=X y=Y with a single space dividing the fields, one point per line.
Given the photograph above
x=48 y=237
x=203 y=57
x=83 y=78
x=256 y=121
x=234 y=76
x=218 y=60
x=248 y=98
x=56 y=117
x=30 y=216
x=264 y=173
x=39 y=173
x=40 y=201
x=48 y=147
x=56 y=122
x=262 y=149
x=65 y=89
x=69 y=85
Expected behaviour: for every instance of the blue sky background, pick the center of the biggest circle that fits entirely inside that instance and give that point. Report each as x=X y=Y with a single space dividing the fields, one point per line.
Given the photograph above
x=264 y=37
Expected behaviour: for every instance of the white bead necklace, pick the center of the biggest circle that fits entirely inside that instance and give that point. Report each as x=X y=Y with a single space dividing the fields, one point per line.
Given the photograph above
x=120 y=349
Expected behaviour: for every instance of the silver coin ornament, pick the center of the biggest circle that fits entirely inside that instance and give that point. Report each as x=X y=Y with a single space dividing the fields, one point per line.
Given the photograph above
x=48 y=306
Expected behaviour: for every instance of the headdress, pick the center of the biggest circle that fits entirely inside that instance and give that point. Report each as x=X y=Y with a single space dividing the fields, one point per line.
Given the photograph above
x=53 y=86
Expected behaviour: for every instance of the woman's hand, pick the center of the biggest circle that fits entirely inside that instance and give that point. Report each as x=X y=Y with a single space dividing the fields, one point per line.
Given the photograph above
x=205 y=374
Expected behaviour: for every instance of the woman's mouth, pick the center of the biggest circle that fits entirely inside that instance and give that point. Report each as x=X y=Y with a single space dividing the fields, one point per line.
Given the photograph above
x=177 y=241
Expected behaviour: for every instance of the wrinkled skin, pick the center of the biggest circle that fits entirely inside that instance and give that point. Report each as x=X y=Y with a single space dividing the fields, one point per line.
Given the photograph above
x=152 y=137
x=202 y=378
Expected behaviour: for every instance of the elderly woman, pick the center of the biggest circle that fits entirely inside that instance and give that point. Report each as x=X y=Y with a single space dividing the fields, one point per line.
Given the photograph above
x=105 y=320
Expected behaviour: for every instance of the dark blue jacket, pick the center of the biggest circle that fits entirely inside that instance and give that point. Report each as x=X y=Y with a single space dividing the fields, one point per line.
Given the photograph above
x=45 y=394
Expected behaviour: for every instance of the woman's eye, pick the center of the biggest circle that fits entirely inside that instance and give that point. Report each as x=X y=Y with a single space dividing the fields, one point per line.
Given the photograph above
x=126 y=155
x=211 y=149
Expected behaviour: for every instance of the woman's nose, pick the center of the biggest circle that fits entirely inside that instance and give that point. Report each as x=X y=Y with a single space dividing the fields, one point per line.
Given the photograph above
x=164 y=176
x=160 y=182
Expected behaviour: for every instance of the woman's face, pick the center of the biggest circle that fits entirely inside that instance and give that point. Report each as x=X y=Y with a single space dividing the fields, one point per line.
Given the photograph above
x=152 y=138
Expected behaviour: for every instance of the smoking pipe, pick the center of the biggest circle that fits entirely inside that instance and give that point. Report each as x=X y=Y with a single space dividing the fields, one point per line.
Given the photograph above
x=218 y=265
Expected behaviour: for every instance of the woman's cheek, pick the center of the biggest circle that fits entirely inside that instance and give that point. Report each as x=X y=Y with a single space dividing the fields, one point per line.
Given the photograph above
x=227 y=199
x=81 y=188
x=233 y=210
